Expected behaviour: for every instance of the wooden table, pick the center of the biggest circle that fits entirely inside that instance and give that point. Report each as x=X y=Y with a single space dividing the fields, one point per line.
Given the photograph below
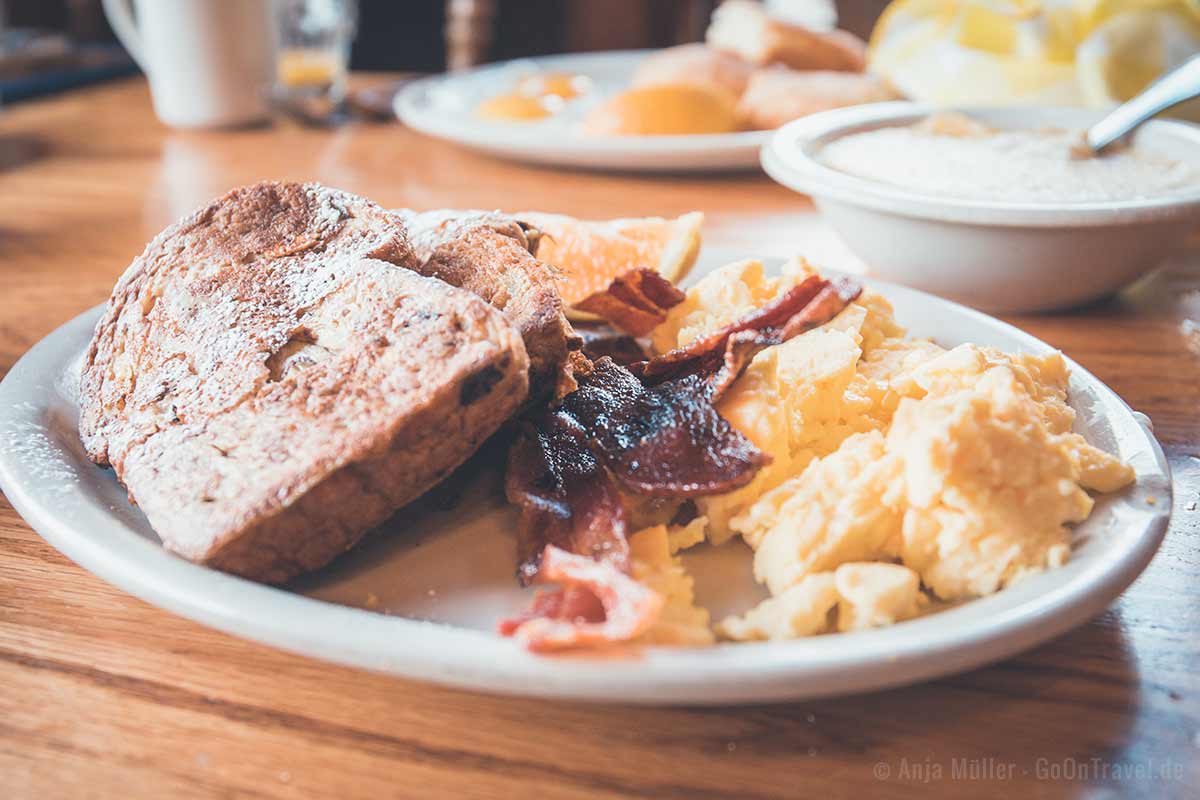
x=102 y=695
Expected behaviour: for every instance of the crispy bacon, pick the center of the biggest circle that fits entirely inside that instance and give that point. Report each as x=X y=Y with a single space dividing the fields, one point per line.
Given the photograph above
x=828 y=303
x=685 y=513
x=743 y=346
x=566 y=497
x=740 y=350
x=662 y=441
x=653 y=431
x=706 y=353
x=596 y=604
x=722 y=355
x=635 y=301
x=575 y=603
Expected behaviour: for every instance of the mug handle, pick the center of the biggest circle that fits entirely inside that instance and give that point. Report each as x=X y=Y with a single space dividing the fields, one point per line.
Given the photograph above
x=120 y=16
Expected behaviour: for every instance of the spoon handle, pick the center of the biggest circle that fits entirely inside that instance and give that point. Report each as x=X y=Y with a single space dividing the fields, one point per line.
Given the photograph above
x=1182 y=83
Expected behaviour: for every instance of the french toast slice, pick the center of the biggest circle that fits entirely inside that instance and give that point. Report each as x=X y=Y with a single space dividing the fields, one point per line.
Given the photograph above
x=494 y=256
x=269 y=385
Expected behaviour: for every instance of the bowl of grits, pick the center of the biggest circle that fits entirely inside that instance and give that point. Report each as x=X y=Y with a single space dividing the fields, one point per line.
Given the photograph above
x=998 y=208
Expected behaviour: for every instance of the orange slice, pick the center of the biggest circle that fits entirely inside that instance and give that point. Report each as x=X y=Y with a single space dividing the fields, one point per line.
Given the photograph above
x=591 y=254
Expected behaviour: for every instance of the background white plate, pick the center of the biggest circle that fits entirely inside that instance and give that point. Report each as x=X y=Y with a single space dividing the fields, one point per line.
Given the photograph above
x=445 y=578
x=443 y=106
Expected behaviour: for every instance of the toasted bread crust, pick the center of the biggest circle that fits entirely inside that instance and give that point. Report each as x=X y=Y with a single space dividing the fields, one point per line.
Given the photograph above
x=247 y=226
x=491 y=255
x=269 y=385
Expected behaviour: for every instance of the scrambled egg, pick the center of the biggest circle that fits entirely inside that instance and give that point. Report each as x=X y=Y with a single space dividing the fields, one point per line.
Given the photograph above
x=803 y=610
x=901 y=471
x=853 y=597
x=841 y=508
x=681 y=537
x=796 y=401
x=872 y=595
x=681 y=621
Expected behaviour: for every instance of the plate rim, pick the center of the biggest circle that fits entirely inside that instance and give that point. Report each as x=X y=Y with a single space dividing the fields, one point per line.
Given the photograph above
x=455 y=657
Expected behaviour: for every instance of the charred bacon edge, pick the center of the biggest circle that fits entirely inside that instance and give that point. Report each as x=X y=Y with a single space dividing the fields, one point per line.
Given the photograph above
x=695 y=356
x=566 y=497
x=743 y=346
x=662 y=441
x=598 y=603
x=635 y=301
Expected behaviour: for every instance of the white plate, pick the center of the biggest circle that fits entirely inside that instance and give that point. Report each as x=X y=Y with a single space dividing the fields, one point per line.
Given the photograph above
x=442 y=106
x=446 y=577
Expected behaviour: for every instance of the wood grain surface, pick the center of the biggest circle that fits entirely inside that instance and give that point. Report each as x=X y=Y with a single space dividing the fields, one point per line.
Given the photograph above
x=102 y=695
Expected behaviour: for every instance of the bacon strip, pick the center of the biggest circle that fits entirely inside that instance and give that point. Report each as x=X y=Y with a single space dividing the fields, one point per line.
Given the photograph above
x=635 y=301
x=722 y=355
x=740 y=350
x=706 y=353
x=830 y=302
x=571 y=603
x=597 y=604
x=743 y=346
x=566 y=497
x=654 y=433
x=663 y=441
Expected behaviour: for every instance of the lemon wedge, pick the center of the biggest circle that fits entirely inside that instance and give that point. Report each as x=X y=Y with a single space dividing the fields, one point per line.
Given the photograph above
x=1053 y=52
x=1129 y=50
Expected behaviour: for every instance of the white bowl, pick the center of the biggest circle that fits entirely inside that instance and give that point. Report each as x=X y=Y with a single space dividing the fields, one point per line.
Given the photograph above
x=997 y=256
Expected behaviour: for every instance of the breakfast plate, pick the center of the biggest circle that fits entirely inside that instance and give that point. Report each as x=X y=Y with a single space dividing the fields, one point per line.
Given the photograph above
x=443 y=106
x=420 y=599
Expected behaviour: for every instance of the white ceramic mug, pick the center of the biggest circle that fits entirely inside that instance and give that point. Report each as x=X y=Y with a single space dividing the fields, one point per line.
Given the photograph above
x=210 y=62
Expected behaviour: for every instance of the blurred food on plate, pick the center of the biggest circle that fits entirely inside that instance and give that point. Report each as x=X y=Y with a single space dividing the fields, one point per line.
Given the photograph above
x=554 y=84
x=665 y=110
x=776 y=70
x=694 y=63
x=744 y=27
x=517 y=107
x=535 y=97
x=754 y=71
x=777 y=95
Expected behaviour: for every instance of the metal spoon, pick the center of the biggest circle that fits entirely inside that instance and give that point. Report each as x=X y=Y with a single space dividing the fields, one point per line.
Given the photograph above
x=1182 y=83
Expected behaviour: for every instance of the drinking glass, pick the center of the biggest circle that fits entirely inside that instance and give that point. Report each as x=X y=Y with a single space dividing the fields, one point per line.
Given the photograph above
x=313 y=55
